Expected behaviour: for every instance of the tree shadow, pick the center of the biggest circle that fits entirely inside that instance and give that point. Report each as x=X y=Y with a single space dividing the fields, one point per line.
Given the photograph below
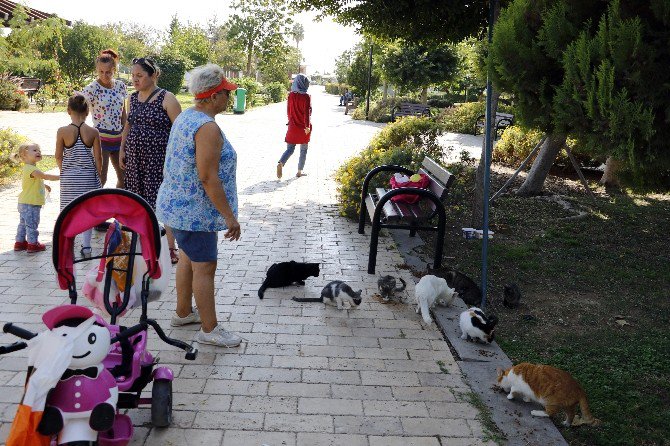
x=266 y=186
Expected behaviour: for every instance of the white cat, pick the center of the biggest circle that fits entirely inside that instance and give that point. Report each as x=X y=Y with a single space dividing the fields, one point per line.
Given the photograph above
x=432 y=290
x=475 y=325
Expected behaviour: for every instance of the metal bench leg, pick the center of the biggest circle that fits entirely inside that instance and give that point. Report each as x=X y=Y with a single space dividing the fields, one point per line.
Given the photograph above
x=361 y=216
x=412 y=230
x=372 y=260
x=439 y=243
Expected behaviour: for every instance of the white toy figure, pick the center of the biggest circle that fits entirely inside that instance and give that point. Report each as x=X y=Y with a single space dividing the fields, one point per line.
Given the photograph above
x=83 y=402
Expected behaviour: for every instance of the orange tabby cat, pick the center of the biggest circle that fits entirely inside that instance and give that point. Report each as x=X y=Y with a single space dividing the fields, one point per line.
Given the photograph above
x=555 y=389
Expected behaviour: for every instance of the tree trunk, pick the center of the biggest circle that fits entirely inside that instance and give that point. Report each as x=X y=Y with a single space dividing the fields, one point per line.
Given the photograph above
x=540 y=169
x=386 y=92
x=610 y=177
x=424 y=96
x=250 y=52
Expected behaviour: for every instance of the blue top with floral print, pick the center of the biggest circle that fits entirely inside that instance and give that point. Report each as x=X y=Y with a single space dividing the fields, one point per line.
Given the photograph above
x=182 y=202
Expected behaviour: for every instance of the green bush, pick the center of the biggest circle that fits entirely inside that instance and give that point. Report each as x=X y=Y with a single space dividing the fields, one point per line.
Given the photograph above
x=380 y=110
x=9 y=145
x=517 y=142
x=463 y=117
x=337 y=89
x=276 y=91
x=252 y=87
x=440 y=102
x=405 y=142
x=172 y=72
x=11 y=98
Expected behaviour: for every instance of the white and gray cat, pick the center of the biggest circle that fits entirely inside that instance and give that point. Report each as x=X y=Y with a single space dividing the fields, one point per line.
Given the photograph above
x=387 y=287
x=430 y=291
x=337 y=293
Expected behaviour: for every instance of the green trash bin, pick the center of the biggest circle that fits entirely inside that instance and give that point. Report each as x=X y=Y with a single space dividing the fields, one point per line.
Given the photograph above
x=240 y=101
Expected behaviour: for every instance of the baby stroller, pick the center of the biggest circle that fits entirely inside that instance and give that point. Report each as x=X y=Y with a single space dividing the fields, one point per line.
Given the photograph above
x=128 y=360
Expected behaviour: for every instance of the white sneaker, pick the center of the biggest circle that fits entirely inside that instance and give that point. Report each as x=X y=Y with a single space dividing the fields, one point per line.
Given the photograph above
x=219 y=337
x=193 y=318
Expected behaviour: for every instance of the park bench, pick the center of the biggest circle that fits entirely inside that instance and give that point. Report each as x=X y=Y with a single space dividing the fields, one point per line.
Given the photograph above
x=385 y=213
x=503 y=120
x=351 y=105
x=409 y=109
x=30 y=85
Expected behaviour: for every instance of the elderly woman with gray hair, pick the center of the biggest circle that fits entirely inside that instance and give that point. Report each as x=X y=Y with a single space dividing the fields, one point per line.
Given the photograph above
x=198 y=198
x=298 y=109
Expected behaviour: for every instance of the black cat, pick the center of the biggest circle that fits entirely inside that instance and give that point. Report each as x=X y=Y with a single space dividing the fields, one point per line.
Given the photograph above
x=466 y=288
x=288 y=273
x=511 y=295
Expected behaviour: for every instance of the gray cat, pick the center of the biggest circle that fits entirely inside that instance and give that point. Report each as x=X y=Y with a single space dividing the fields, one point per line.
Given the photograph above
x=387 y=288
x=511 y=295
x=336 y=293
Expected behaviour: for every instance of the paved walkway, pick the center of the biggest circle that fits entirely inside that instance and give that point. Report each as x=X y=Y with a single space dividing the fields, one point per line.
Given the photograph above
x=307 y=374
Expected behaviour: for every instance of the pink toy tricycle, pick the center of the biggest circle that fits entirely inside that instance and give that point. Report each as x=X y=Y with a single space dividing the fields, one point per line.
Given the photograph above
x=108 y=359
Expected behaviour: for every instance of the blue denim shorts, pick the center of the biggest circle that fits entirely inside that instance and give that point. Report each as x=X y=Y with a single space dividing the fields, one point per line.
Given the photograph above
x=199 y=246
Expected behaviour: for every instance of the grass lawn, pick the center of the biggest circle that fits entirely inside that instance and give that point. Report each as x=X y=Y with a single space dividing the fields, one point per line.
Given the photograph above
x=595 y=297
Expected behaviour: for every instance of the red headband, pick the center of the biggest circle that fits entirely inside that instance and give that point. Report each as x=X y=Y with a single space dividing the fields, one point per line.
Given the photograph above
x=224 y=85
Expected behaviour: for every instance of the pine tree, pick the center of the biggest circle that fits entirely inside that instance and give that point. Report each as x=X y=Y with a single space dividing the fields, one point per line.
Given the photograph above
x=615 y=94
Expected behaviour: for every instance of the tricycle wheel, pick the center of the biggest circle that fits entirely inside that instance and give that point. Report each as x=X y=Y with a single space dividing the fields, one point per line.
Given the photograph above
x=161 y=403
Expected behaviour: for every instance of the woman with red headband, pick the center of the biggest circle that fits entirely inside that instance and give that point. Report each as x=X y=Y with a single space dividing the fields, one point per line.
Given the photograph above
x=145 y=136
x=198 y=198
x=107 y=98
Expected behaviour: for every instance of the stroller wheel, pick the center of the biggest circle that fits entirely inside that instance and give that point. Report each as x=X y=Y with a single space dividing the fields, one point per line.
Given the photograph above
x=161 y=403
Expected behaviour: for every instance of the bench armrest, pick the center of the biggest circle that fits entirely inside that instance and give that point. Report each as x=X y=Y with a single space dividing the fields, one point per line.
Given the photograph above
x=366 y=185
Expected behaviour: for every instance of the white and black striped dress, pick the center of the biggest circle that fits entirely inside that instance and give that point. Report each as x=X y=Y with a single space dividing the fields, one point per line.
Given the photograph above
x=78 y=173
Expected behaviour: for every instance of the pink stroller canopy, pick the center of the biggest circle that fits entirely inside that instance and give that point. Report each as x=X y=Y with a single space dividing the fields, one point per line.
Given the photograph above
x=95 y=207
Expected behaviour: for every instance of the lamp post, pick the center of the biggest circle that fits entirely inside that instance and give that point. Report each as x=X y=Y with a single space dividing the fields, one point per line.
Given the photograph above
x=367 y=101
x=487 y=161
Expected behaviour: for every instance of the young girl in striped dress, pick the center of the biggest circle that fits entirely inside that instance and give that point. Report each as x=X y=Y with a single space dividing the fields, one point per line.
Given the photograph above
x=79 y=159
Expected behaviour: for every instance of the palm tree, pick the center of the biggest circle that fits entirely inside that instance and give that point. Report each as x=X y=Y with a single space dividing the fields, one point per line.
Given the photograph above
x=298 y=33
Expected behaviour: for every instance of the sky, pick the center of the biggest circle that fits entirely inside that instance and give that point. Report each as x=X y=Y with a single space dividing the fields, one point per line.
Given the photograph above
x=324 y=41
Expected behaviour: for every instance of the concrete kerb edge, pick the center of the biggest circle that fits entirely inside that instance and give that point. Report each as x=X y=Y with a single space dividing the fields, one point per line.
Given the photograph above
x=479 y=364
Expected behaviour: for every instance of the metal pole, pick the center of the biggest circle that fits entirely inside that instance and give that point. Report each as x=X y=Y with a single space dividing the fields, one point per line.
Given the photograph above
x=575 y=164
x=487 y=164
x=367 y=102
x=523 y=164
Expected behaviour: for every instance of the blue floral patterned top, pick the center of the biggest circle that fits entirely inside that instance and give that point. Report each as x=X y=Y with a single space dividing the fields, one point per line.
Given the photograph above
x=182 y=202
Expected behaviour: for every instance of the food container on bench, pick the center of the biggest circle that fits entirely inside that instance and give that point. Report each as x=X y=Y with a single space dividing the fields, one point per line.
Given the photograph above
x=479 y=233
x=468 y=233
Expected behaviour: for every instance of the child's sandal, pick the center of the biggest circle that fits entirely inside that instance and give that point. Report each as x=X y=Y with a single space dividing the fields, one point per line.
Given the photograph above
x=174 y=257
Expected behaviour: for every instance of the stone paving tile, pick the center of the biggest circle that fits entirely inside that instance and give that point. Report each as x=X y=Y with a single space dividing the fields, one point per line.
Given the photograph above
x=307 y=439
x=307 y=374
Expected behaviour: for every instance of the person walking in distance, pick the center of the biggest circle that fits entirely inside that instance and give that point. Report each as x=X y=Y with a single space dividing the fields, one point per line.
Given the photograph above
x=299 y=109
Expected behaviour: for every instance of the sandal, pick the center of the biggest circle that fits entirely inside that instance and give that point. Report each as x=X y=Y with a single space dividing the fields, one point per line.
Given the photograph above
x=174 y=257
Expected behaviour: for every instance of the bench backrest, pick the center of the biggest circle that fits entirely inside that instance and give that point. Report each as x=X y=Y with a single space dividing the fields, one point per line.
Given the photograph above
x=30 y=83
x=440 y=177
x=409 y=107
x=504 y=116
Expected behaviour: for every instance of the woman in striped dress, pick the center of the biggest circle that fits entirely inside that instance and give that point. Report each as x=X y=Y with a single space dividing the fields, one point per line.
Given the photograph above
x=79 y=159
